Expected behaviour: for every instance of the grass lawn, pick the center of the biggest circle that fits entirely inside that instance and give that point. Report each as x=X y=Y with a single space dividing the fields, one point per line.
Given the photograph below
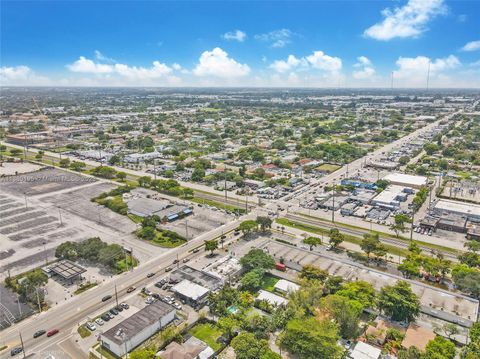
x=208 y=333
x=219 y=204
x=85 y=287
x=348 y=238
x=83 y=331
x=327 y=167
x=269 y=282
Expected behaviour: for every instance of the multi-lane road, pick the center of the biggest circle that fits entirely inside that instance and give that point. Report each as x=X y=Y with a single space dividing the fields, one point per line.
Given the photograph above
x=67 y=316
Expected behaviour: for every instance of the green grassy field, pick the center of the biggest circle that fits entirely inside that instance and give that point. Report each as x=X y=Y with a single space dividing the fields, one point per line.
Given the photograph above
x=208 y=333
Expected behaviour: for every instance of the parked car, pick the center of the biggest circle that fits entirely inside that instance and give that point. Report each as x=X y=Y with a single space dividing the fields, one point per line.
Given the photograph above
x=175 y=261
x=39 y=333
x=107 y=297
x=52 y=332
x=124 y=305
x=168 y=269
x=15 y=351
x=177 y=306
x=196 y=250
x=119 y=308
x=99 y=321
x=149 y=300
x=150 y=275
x=91 y=326
x=105 y=317
x=114 y=311
x=185 y=260
x=130 y=289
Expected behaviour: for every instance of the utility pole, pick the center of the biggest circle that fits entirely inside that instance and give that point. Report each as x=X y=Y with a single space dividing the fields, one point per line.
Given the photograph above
x=38 y=301
x=154 y=169
x=21 y=341
x=45 y=251
x=25 y=196
x=116 y=295
x=60 y=216
x=186 y=229
x=333 y=203
x=126 y=259
x=411 y=226
x=225 y=184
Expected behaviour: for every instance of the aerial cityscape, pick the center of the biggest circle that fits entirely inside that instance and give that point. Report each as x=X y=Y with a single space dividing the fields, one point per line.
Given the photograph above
x=250 y=180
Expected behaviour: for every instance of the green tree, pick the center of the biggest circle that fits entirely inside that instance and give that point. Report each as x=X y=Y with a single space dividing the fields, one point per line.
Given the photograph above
x=246 y=346
x=439 y=348
x=410 y=353
x=252 y=280
x=211 y=245
x=64 y=162
x=198 y=174
x=371 y=244
x=346 y=313
x=399 y=223
x=257 y=259
x=309 y=271
x=148 y=233
x=121 y=176
x=467 y=279
x=78 y=166
x=312 y=339
x=312 y=241
x=228 y=325
x=336 y=237
x=360 y=291
x=399 y=302
x=248 y=226
x=264 y=223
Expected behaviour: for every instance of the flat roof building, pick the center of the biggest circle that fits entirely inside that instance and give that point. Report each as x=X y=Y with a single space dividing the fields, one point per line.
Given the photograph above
x=390 y=197
x=137 y=328
x=65 y=269
x=272 y=298
x=194 y=294
x=402 y=179
x=285 y=286
x=445 y=207
x=365 y=351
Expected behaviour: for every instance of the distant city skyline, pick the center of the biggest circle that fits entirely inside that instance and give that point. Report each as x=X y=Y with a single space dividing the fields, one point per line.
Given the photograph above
x=251 y=44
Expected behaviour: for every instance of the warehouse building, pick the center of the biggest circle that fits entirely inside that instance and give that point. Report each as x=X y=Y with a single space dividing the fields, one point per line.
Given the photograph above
x=390 y=197
x=193 y=294
x=445 y=208
x=405 y=180
x=137 y=328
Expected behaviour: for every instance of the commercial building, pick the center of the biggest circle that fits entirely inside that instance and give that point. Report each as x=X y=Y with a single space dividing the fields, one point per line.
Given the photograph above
x=166 y=210
x=348 y=209
x=445 y=208
x=193 y=294
x=65 y=270
x=390 y=197
x=137 y=328
x=405 y=180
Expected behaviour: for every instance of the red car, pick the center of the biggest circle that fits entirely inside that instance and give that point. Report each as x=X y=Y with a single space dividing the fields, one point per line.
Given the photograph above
x=52 y=332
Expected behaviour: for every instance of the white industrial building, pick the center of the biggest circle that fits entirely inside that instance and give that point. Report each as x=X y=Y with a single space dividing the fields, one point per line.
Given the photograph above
x=192 y=293
x=405 y=180
x=445 y=207
x=390 y=197
x=137 y=328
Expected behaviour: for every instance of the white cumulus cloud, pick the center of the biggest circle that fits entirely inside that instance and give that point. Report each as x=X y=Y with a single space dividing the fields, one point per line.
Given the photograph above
x=85 y=65
x=141 y=73
x=277 y=38
x=322 y=61
x=236 y=35
x=413 y=71
x=217 y=63
x=286 y=65
x=101 y=57
x=409 y=20
x=472 y=46
x=21 y=76
x=365 y=69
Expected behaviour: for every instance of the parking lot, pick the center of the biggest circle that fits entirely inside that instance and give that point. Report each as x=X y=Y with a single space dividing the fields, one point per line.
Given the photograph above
x=40 y=210
x=435 y=301
x=203 y=219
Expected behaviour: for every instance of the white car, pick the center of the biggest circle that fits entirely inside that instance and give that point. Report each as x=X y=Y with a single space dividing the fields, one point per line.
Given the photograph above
x=99 y=321
x=91 y=326
x=149 y=300
x=177 y=306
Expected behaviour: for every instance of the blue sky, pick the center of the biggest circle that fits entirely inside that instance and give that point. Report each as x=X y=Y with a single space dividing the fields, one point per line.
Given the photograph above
x=240 y=43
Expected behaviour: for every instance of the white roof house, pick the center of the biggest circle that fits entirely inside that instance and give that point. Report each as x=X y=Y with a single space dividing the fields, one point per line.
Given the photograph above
x=365 y=351
x=271 y=298
x=190 y=290
x=285 y=286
